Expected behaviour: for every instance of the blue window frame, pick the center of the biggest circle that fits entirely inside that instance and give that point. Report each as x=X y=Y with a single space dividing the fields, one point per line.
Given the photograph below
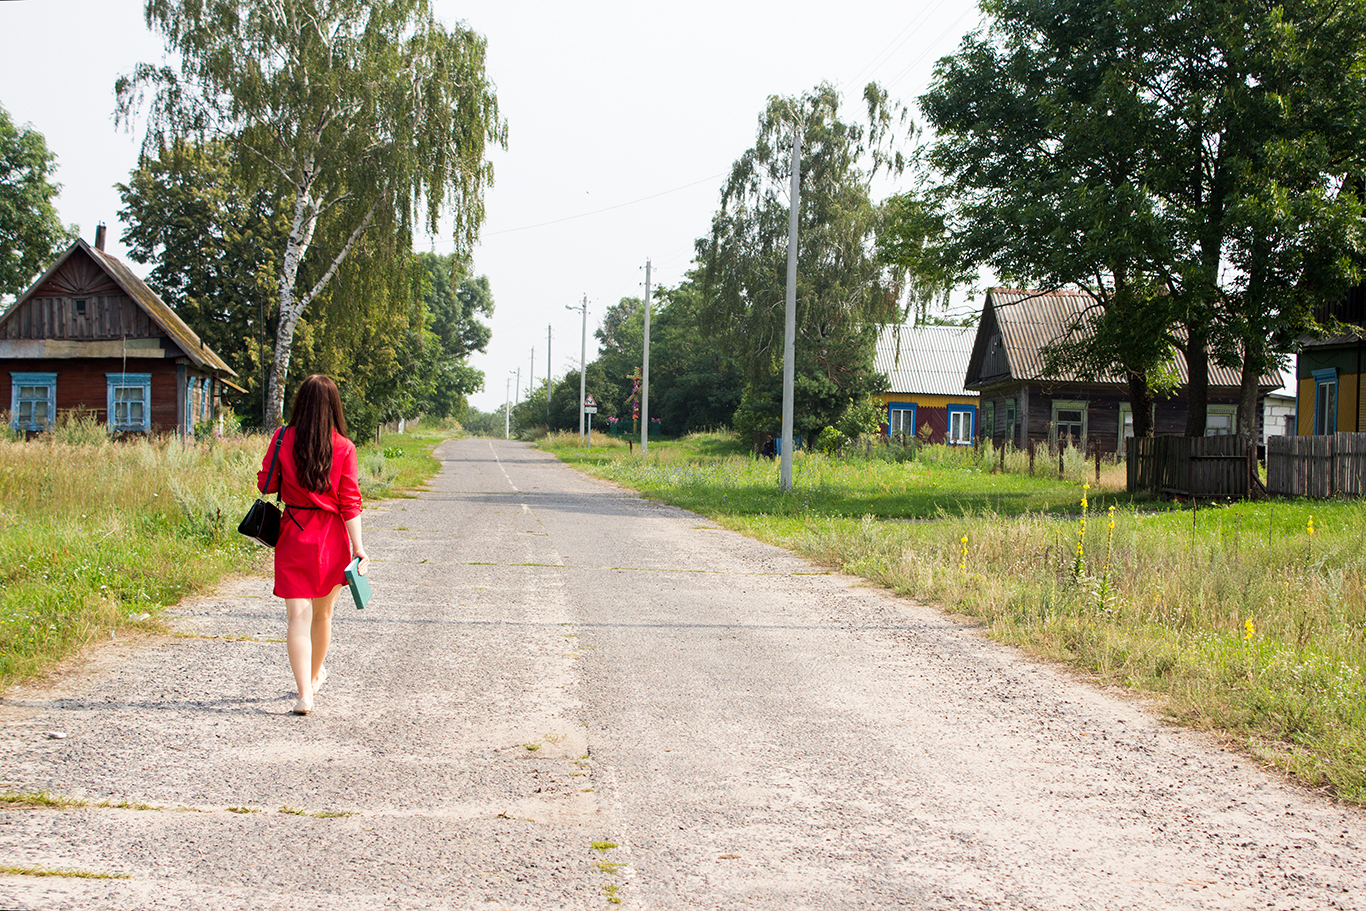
x=129 y=401
x=1326 y=401
x=901 y=419
x=33 y=400
x=960 y=425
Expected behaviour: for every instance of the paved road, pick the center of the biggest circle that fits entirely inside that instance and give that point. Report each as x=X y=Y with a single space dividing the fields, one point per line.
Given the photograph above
x=564 y=695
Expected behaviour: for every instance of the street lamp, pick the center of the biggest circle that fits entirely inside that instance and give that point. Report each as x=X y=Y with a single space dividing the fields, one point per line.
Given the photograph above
x=583 y=357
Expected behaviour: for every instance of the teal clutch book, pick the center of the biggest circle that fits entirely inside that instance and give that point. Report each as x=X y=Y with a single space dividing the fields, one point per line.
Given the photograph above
x=360 y=586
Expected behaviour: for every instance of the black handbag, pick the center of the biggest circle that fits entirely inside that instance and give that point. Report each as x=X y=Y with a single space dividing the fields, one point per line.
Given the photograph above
x=262 y=522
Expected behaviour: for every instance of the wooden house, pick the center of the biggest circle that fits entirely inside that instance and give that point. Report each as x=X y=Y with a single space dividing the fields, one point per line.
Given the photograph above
x=1022 y=402
x=90 y=335
x=924 y=366
x=1329 y=371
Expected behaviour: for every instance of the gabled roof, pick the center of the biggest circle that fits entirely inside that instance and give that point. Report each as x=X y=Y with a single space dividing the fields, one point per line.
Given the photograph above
x=928 y=360
x=193 y=347
x=1024 y=322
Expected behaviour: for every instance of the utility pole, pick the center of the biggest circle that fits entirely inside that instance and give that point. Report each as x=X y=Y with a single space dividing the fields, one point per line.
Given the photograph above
x=507 y=411
x=517 y=388
x=547 y=377
x=531 y=375
x=645 y=373
x=790 y=320
x=583 y=360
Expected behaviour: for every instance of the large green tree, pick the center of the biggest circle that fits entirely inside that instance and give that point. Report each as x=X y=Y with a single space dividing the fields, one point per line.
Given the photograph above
x=1190 y=164
x=454 y=307
x=359 y=116
x=841 y=286
x=213 y=245
x=31 y=234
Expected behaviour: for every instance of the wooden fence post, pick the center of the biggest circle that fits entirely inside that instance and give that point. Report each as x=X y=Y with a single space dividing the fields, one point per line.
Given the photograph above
x=1031 y=458
x=1096 y=446
x=1062 y=448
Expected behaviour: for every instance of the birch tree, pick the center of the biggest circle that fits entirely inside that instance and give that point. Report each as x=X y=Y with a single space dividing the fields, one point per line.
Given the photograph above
x=362 y=116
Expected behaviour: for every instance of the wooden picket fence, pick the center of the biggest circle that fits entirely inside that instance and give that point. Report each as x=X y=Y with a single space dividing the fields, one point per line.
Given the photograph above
x=1318 y=466
x=1188 y=466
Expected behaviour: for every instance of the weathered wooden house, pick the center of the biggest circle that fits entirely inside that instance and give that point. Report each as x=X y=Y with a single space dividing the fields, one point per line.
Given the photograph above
x=1022 y=402
x=1330 y=368
x=924 y=366
x=90 y=335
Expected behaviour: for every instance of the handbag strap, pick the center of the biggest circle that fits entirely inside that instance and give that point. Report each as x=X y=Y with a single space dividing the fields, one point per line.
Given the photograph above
x=274 y=455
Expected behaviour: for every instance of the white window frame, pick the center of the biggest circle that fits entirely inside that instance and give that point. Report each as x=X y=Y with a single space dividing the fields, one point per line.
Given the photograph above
x=32 y=380
x=1069 y=405
x=903 y=407
x=116 y=381
x=1229 y=411
x=961 y=439
x=1126 y=422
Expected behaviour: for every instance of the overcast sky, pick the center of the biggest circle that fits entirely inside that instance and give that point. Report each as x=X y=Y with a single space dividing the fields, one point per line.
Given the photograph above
x=623 y=120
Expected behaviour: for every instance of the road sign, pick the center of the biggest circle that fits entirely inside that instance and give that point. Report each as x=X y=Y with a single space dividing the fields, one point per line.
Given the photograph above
x=589 y=403
x=590 y=409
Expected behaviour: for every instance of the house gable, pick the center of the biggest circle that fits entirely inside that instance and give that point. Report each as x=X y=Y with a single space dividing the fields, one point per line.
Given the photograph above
x=89 y=304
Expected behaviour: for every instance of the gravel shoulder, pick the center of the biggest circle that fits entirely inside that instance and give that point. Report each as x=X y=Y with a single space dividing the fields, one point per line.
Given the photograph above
x=565 y=694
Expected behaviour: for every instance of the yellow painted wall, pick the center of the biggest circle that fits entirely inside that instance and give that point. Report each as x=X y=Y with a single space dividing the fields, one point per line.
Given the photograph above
x=928 y=401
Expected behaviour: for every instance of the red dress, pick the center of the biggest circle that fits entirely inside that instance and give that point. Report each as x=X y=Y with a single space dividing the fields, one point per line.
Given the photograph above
x=311 y=556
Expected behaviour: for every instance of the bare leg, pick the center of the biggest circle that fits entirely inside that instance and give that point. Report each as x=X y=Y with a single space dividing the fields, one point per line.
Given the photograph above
x=321 y=634
x=299 y=645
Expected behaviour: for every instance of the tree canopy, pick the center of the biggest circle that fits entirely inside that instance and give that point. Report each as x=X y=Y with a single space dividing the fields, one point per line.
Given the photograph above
x=31 y=234
x=358 y=117
x=841 y=287
x=1193 y=165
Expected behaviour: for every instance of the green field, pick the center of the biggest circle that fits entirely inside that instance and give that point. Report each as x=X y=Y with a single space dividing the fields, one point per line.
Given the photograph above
x=1244 y=618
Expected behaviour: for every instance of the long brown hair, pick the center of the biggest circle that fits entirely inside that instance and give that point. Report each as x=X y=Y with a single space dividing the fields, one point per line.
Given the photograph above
x=316 y=413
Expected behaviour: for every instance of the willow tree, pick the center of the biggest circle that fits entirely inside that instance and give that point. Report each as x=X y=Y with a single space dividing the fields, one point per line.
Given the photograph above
x=361 y=116
x=842 y=289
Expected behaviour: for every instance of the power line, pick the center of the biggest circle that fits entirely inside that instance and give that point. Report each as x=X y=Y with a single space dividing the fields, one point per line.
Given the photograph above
x=620 y=205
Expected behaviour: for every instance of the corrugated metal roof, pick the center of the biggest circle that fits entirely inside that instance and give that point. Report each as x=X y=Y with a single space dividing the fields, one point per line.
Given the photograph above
x=1030 y=320
x=166 y=319
x=928 y=360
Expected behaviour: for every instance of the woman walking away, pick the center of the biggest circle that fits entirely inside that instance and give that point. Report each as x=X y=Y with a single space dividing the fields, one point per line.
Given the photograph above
x=318 y=481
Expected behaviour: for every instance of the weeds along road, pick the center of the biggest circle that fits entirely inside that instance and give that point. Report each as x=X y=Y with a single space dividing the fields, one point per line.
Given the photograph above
x=564 y=696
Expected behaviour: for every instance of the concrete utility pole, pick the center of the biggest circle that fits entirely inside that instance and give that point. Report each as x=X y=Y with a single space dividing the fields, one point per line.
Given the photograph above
x=517 y=388
x=531 y=376
x=507 y=411
x=645 y=372
x=547 y=377
x=583 y=360
x=790 y=321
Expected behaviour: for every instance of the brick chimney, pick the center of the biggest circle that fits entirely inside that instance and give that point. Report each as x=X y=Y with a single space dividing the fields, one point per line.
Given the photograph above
x=99 y=236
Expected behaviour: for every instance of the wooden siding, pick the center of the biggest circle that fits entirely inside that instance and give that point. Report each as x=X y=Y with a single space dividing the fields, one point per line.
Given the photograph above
x=1034 y=414
x=1317 y=466
x=83 y=384
x=1188 y=466
x=106 y=317
x=52 y=310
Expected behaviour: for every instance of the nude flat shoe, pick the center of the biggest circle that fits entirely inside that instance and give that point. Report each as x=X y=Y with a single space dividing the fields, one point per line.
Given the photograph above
x=303 y=706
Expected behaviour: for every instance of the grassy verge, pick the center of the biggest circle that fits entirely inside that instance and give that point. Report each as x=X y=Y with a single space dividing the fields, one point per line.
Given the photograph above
x=98 y=535
x=1246 y=619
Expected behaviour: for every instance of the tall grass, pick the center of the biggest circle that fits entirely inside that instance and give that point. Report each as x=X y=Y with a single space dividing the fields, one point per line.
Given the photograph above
x=97 y=534
x=1245 y=618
